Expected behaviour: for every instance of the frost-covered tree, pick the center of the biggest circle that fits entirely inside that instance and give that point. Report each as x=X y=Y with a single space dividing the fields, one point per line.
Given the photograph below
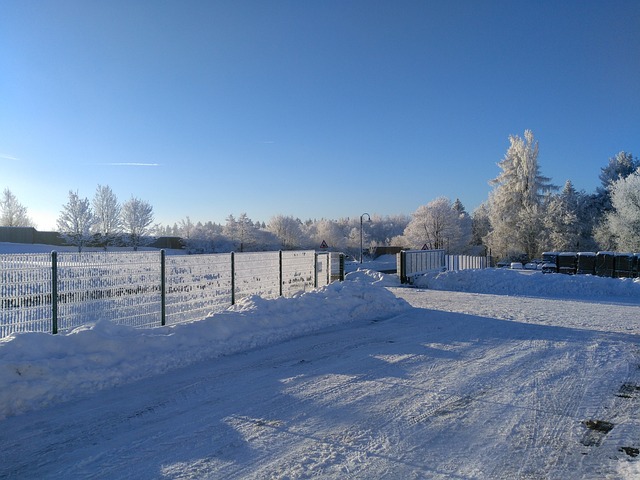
x=466 y=229
x=436 y=225
x=75 y=221
x=383 y=229
x=480 y=225
x=230 y=231
x=106 y=212
x=240 y=232
x=330 y=232
x=561 y=221
x=288 y=231
x=137 y=217
x=620 y=166
x=187 y=229
x=516 y=204
x=199 y=237
x=191 y=235
x=624 y=219
x=245 y=231
x=12 y=212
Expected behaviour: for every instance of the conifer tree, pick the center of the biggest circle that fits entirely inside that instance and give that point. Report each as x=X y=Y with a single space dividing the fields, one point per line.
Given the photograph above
x=516 y=204
x=12 y=212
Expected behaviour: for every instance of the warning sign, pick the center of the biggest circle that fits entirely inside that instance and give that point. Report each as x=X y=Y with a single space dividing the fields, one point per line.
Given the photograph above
x=324 y=244
x=424 y=247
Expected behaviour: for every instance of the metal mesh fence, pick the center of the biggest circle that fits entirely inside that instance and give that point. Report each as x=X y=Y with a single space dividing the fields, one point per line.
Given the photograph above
x=257 y=274
x=58 y=292
x=122 y=287
x=298 y=272
x=25 y=293
x=197 y=285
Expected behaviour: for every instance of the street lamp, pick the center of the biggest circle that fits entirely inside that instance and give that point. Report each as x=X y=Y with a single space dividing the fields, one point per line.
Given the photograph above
x=369 y=220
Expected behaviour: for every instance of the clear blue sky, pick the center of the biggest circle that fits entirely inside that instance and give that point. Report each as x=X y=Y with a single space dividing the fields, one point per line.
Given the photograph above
x=312 y=109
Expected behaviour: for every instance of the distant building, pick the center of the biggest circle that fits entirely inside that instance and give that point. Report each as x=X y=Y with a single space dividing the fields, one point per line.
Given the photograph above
x=29 y=235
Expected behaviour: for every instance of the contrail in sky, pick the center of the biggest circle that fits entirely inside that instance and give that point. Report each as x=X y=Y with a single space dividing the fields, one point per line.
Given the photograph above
x=132 y=164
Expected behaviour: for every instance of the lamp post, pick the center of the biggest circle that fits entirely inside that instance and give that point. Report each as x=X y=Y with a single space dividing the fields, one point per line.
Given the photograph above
x=369 y=220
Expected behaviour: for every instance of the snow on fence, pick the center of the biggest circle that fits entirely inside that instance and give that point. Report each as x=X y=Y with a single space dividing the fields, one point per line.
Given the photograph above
x=60 y=291
x=25 y=292
x=412 y=263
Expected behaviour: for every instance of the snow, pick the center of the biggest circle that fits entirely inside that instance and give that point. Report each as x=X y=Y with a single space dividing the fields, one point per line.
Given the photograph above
x=534 y=283
x=381 y=263
x=38 y=369
x=491 y=373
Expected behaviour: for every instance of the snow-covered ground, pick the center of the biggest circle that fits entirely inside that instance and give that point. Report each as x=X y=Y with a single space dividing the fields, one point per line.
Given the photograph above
x=482 y=374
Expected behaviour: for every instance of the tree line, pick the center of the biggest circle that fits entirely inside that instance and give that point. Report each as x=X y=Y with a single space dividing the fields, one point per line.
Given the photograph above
x=103 y=221
x=523 y=215
x=526 y=214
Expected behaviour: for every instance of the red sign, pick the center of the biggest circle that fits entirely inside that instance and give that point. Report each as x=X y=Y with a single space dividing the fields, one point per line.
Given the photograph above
x=324 y=244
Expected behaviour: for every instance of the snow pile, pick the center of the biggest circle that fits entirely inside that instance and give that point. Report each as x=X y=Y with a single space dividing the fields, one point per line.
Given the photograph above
x=381 y=263
x=374 y=277
x=533 y=284
x=37 y=369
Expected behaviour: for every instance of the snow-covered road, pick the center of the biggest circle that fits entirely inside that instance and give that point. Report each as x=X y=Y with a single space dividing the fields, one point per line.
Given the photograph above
x=462 y=386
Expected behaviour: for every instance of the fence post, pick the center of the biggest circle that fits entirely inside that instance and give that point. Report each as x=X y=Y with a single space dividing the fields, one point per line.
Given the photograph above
x=402 y=257
x=280 y=270
x=315 y=269
x=163 y=289
x=233 y=279
x=328 y=258
x=54 y=292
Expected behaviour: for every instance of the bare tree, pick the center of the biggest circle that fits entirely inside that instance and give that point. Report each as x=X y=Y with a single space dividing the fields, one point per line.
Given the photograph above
x=75 y=221
x=136 y=217
x=436 y=225
x=288 y=231
x=106 y=211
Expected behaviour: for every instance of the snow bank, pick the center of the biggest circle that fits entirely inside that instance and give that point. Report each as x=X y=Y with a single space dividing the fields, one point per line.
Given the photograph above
x=38 y=369
x=504 y=281
x=374 y=277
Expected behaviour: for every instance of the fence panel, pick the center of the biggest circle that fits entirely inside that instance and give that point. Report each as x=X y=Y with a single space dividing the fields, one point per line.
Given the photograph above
x=197 y=285
x=122 y=287
x=337 y=267
x=419 y=262
x=298 y=272
x=25 y=293
x=257 y=274
x=465 y=262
